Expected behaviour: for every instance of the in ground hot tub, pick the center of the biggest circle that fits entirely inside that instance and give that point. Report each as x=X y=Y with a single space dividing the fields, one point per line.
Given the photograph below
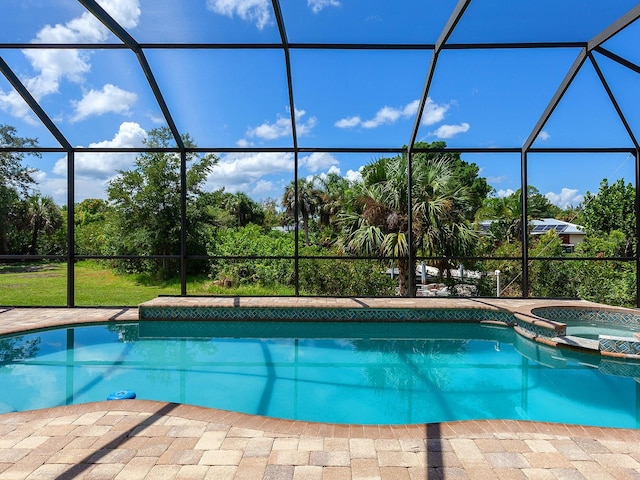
x=593 y=332
x=616 y=331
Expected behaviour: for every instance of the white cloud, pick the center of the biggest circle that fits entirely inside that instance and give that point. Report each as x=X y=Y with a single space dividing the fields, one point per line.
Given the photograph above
x=318 y=5
x=544 y=136
x=241 y=171
x=449 y=131
x=13 y=104
x=319 y=161
x=130 y=135
x=505 y=193
x=271 y=131
x=259 y=11
x=411 y=108
x=386 y=115
x=251 y=172
x=55 y=187
x=348 y=122
x=110 y=99
x=52 y=66
x=566 y=198
x=433 y=113
x=354 y=175
x=262 y=187
x=157 y=119
x=94 y=170
x=103 y=165
x=85 y=28
x=304 y=128
x=282 y=127
x=256 y=11
x=125 y=12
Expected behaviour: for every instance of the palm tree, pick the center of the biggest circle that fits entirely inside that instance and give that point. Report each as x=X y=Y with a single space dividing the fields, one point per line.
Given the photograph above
x=439 y=203
x=243 y=209
x=308 y=202
x=333 y=191
x=42 y=214
x=505 y=214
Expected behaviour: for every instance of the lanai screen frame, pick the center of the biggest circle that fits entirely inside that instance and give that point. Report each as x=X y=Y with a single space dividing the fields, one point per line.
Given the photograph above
x=586 y=50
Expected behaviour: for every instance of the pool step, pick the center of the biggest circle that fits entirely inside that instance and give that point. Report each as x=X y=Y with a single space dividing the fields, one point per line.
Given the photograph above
x=580 y=342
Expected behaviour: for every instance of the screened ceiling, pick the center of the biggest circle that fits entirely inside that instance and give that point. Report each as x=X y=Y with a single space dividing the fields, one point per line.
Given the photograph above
x=366 y=74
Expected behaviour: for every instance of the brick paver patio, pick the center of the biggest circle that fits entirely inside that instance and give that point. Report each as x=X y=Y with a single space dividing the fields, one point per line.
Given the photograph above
x=136 y=439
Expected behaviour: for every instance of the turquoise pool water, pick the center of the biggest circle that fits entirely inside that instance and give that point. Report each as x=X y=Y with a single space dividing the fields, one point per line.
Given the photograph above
x=388 y=373
x=593 y=332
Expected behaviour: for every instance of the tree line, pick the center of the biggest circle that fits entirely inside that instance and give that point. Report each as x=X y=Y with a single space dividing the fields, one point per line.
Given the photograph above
x=232 y=239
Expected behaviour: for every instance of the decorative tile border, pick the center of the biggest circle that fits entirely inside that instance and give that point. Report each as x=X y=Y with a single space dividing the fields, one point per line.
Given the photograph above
x=318 y=330
x=325 y=314
x=619 y=368
x=539 y=327
x=619 y=345
x=588 y=315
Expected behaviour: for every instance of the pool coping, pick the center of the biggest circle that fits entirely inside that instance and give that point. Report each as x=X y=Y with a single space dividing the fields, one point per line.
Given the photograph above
x=284 y=427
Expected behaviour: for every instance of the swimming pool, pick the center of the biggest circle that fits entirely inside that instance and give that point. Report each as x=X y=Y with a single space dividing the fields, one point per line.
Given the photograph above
x=387 y=373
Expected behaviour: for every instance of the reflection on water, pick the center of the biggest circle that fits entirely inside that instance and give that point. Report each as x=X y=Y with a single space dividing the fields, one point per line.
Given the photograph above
x=18 y=348
x=344 y=373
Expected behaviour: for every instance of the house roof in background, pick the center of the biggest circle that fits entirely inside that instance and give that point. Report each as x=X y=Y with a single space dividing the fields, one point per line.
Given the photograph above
x=542 y=225
x=545 y=224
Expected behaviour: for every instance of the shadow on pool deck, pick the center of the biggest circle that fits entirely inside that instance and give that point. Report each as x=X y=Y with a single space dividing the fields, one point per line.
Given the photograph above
x=98 y=456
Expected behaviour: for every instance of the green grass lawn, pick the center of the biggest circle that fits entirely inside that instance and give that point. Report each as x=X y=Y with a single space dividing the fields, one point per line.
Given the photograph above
x=45 y=284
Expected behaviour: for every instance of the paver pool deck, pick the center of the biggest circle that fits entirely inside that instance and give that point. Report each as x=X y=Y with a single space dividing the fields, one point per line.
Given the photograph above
x=135 y=439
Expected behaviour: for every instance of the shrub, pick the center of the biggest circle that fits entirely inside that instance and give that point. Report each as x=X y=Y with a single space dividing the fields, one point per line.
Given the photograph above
x=344 y=277
x=252 y=241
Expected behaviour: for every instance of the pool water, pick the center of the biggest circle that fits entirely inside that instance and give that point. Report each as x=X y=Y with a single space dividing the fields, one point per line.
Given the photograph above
x=368 y=373
x=593 y=331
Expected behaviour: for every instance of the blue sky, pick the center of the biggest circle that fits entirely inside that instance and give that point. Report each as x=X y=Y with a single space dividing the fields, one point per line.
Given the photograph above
x=480 y=98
